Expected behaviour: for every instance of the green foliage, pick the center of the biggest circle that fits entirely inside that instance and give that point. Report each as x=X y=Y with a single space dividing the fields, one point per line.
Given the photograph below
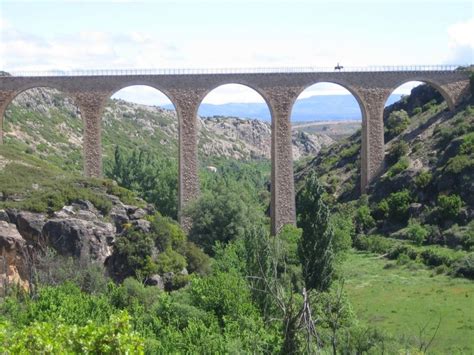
x=170 y=261
x=465 y=267
x=363 y=219
x=153 y=177
x=344 y=230
x=374 y=243
x=423 y=179
x=398 y=150
x=459 y=163
x=134 y=249
x=396 y=206
x=467 y=146
x=316 y=252
x=417 y=110
x=397 y=122
x=221 y=215
x=449 y=206
x=429 y=105
x=416 y=232
x=116 y=337
x=398 y=167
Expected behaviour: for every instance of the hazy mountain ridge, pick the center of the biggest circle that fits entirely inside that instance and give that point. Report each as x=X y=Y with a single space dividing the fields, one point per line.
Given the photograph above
x=318 y=107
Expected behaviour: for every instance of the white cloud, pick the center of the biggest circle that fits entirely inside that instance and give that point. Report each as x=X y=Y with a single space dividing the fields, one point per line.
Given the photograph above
x=461 y=42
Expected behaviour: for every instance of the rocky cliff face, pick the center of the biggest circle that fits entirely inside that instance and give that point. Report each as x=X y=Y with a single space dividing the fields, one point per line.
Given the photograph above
x=49 y=122
x=78 y=230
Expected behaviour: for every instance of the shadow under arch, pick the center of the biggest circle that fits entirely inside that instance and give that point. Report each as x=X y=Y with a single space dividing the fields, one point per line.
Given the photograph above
x=449 y=100
x=59 y=96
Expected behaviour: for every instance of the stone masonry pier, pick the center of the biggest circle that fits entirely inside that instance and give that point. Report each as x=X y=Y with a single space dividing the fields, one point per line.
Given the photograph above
x=280 y=89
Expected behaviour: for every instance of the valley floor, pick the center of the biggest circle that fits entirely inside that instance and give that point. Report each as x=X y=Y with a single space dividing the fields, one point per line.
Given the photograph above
x=403 y=299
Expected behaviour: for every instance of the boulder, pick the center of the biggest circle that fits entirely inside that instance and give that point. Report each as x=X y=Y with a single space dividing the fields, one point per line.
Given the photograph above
x=142 y=225
x=156 y=280
x=86 y=240
x=4 y=216
x=30 y=225
x=13 y=268
x=119 y=216
x=135 y=212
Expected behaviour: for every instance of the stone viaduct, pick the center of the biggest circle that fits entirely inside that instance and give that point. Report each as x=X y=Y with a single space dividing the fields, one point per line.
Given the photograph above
x=279 y=88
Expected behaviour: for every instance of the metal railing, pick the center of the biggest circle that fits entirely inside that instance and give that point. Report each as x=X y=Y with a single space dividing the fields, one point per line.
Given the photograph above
x=197 y=71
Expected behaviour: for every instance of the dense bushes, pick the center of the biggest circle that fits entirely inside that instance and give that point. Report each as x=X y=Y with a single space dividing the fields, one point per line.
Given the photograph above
x=449 y=206
x=153 y=177
x=397 y=122
x=221 y=215
x=164 y=249
x=395 y=206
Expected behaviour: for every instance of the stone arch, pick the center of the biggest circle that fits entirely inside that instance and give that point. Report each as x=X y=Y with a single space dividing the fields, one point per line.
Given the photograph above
x=447 y=97
x=38 y=85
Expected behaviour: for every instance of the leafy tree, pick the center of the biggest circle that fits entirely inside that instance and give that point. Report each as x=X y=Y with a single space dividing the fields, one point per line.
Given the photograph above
x=221 y=216
x=449 y=205
x=315 y=249
x=397 y=122
x=416 y=232
x=153 y=177
x=363 y=219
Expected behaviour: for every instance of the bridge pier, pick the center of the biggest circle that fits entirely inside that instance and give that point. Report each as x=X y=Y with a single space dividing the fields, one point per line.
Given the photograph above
x=187 y=102
x=373 y=145
x=282 y=207
x=91 y=105
x=5 y=98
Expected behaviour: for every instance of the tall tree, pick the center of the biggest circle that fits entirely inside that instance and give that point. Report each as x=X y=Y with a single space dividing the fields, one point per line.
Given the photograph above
x=315 y=248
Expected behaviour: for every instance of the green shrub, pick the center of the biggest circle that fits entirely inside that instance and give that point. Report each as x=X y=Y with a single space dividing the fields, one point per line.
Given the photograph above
x=398 y=167
x=459 y=163
x=417 y=110
x=416 y=232
x=405 y=249
x=398 y=150
x=467 y=146
x=438 y=256
x=170 y=261
x=429 y=105
x=56 y=337
x=397 y=204
x=397 y=122
x=374 y=243
x=449 y=206
x=198 y=261
x=465 y=266
x=363 y=219
x=423 y=179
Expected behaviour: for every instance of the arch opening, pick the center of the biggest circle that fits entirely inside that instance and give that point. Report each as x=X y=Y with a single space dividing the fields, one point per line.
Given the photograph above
x=234 y=141
x=323 y=114
x=140 y=145
x=46 y=122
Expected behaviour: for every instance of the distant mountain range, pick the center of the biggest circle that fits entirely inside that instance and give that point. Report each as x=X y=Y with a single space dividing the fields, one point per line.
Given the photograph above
x=314 y=108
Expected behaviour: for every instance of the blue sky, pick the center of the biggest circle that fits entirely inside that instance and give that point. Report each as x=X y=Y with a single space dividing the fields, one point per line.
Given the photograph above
x=38 y=35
